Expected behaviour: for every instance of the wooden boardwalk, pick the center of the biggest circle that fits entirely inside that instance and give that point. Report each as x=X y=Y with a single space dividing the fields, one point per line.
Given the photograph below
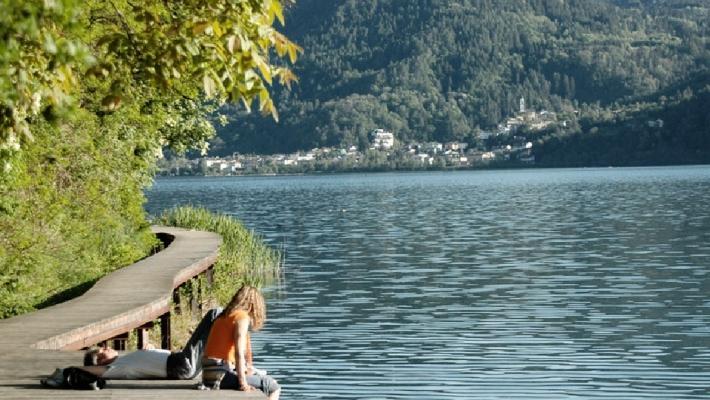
x=34 y=344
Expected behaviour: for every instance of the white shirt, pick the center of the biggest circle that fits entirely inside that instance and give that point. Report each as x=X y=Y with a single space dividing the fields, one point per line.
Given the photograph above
x=139 y=364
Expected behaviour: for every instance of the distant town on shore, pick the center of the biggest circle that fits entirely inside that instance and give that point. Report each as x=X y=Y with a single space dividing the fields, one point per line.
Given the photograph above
x=385 y=152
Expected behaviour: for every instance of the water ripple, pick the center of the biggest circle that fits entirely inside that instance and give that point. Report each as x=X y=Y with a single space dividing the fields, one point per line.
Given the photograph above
x=503 y=284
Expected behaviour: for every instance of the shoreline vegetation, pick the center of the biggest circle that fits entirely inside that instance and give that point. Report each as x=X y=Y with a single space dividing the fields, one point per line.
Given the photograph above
x=244 y=259
x=490 y=167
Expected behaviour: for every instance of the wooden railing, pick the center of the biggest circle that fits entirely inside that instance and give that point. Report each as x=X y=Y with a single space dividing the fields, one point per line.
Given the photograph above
x=133 y=296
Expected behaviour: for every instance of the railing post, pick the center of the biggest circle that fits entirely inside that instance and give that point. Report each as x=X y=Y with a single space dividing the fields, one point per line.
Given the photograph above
x=176 y=299
x=195 y=300
x=209 y=275
x=142 y=335
x=165 y=331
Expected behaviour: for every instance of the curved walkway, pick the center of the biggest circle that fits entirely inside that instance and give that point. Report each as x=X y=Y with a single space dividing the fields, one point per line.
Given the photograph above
x=119 y=302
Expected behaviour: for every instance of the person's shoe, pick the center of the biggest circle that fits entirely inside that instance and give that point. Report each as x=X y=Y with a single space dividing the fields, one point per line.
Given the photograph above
x=55 y=380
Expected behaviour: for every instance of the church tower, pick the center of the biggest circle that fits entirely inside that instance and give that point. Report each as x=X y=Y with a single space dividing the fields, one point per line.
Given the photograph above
x=522 y=105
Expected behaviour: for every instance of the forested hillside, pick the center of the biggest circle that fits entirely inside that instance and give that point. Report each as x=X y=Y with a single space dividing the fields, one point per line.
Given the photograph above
x=444 y=69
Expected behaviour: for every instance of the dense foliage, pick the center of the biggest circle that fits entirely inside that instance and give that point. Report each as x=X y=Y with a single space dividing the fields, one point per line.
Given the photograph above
x=90 y=92
x=674 y=129
x=443 y=69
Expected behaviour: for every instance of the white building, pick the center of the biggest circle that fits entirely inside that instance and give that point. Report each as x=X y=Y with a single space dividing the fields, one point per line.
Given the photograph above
x=431 y=147
x=382 y=140
x=210 y=162
x=456 y=146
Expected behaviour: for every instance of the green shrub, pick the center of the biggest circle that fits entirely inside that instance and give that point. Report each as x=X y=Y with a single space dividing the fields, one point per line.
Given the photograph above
x=72 y=212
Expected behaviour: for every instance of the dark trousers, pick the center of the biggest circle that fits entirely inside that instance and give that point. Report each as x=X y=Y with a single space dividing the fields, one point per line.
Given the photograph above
x=186 y=364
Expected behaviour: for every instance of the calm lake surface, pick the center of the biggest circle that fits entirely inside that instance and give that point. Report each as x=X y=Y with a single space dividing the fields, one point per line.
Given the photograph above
x=570 y=283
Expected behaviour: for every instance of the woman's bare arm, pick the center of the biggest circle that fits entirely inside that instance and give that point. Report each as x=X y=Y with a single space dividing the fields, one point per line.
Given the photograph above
x=240 y=340
x=249 y=359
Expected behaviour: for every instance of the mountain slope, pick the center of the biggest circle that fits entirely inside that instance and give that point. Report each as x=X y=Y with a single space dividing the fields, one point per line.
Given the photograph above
x=442 y=69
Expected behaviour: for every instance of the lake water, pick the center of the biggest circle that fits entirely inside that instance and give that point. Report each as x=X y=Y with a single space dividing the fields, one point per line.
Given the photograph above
x=570 y=283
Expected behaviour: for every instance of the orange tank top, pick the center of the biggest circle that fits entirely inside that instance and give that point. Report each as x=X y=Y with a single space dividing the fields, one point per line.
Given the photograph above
x=220 y=342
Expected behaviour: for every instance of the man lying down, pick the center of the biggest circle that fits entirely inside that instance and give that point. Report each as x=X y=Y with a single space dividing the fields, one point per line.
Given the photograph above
x=105 y=363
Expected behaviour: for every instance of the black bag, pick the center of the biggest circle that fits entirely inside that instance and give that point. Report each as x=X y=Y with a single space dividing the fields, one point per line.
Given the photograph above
x=76 y=378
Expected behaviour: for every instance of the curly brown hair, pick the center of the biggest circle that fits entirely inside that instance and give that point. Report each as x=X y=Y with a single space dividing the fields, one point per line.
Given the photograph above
x=250 y=300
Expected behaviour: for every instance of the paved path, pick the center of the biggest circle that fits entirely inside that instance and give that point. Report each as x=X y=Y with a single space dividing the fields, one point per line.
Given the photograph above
x=31 y=344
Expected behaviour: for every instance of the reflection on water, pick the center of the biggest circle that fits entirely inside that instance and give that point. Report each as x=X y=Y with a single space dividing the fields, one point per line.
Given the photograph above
x=498 y=284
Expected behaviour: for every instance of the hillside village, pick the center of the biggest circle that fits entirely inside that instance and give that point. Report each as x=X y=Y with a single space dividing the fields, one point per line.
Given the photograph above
x=384 y=152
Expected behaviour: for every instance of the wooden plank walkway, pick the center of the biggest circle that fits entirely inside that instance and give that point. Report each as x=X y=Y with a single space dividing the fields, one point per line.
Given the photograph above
x=32 y=345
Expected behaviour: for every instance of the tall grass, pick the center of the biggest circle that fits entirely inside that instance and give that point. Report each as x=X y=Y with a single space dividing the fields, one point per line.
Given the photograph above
x=244 y=258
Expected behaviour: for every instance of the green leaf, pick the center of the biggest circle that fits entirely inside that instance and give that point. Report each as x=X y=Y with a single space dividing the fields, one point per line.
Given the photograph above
x=292 y=53
x=217 y=29
x=263 y=67
x=232 y=43
x=247 y=103
x=278 y=11
x=263 y=96
x=208 y=85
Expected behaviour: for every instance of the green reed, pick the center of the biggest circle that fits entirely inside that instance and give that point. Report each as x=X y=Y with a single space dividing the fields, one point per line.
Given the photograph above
x=244 y=257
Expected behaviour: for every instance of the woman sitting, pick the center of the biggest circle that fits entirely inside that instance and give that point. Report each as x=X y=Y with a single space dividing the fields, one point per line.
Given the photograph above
x=228 y=358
